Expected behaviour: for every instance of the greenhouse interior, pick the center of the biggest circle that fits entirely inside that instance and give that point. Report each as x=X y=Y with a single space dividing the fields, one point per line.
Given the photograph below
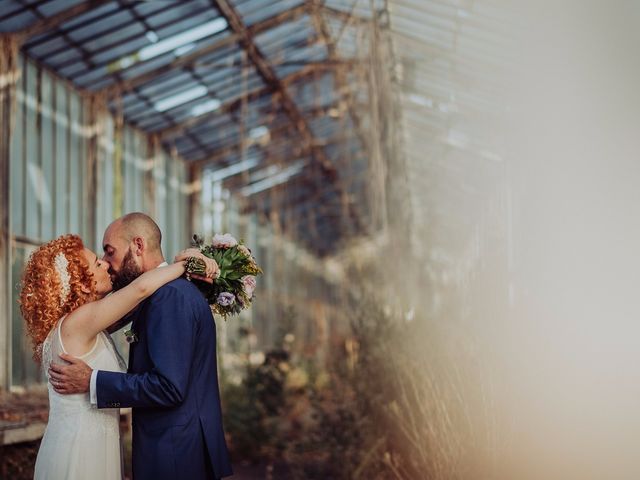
x=441 y=197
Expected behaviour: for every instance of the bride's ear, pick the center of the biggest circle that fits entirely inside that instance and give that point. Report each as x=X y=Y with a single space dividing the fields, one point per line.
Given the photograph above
x=85 y=289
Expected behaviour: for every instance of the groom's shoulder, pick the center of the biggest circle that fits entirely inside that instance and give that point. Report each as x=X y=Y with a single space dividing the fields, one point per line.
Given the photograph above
x=179 y=286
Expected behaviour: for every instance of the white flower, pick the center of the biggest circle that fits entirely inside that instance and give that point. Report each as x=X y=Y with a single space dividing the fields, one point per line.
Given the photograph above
x=249 y=284
x=61 y=265
x=224 y=241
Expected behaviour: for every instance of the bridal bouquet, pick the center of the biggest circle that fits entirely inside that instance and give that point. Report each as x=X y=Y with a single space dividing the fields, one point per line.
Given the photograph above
x=232 y=291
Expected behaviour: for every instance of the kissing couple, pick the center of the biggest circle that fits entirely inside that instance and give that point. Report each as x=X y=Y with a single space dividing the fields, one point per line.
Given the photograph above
x=171 y=382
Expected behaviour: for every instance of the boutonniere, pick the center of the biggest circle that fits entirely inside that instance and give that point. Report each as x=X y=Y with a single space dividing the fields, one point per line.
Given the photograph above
x=130 y=336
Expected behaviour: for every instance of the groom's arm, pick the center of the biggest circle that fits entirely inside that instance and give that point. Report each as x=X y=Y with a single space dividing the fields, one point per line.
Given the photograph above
x=170 y=345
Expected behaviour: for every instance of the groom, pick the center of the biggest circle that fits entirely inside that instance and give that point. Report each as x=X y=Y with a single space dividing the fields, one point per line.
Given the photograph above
x=172 y=380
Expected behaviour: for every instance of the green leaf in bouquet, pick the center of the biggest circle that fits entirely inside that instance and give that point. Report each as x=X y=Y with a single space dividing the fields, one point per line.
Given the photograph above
x=235 y=275
x=224 y=261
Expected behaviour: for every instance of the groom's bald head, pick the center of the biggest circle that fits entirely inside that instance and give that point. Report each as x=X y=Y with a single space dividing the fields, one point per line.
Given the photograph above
x=138 y=224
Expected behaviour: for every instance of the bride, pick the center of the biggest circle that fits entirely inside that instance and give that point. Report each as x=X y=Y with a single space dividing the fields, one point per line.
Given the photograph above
x=64 y=303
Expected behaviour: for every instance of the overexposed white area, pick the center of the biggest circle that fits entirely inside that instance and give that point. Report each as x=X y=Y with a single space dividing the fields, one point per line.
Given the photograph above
x=522 y=133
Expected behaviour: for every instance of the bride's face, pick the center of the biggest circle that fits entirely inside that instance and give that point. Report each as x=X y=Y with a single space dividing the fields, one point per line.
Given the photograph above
x=100 y=270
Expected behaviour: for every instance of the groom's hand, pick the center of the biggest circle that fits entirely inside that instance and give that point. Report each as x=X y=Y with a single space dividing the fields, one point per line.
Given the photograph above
x=201 y=278
x=73 y=378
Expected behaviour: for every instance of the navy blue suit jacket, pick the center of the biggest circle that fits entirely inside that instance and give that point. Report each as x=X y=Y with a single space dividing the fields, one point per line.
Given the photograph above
x=172 y=385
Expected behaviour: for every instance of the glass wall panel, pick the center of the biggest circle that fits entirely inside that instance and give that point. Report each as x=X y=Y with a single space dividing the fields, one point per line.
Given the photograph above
x=47 y=157
x=25 y=371
x=17 y=161
x=76 y=155
x=160 y=182
x=105 y=180
x=129 y=170
x=34 y=174
x=139 y=154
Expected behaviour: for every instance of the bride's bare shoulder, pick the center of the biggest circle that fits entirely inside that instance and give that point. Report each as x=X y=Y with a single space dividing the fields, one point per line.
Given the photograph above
x=73 y=331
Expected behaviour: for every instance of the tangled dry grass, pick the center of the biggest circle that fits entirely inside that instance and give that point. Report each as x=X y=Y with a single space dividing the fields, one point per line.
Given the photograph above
x=398 y=400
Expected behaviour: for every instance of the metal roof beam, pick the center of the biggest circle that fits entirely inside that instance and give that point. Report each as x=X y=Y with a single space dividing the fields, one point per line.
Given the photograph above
x=192 y=58
x=266 y=71
x=345 y=16
x=337 y=62
x=236 y=148
x=253 y=94
x=226 y=108
x=245 y=38
x=235 y=105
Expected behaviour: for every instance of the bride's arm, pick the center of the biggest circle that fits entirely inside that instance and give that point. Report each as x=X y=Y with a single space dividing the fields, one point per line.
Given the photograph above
x=91 y=318
x=211 y=268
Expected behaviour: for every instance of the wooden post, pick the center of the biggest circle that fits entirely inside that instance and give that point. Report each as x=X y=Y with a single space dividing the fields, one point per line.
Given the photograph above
x=96 y=107
x=153 y=151
x=118 y=153
x=8 y=79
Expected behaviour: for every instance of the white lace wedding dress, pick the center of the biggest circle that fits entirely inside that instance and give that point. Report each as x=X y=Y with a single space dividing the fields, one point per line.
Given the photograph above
x=80 y=442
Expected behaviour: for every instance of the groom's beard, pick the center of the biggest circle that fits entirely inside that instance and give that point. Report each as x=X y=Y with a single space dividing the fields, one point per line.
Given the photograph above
x=129 y=271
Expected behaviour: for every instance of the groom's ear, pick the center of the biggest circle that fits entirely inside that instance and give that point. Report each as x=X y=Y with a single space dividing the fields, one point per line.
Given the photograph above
x=138 y=245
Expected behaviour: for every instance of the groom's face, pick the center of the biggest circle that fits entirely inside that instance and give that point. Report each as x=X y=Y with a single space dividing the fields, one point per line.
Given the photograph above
x=117 y=252
x=128 y=272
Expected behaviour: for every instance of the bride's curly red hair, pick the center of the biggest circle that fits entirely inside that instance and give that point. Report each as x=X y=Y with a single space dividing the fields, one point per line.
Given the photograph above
x=41 y=287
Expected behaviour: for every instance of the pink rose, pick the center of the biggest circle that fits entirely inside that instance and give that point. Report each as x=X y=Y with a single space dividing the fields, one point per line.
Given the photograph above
x=224 y=241
x=249 y=284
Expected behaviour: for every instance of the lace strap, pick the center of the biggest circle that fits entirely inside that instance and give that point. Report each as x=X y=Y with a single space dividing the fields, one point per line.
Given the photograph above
x=85 y=355
x=112 y=347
